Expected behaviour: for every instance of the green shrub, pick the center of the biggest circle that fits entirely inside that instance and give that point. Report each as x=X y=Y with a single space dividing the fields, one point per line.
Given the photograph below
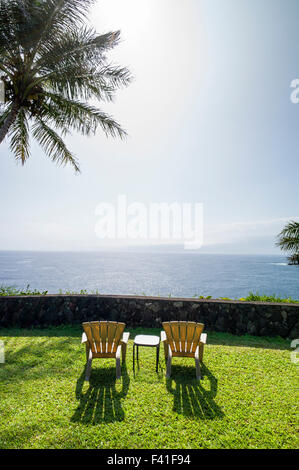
x=251 y=297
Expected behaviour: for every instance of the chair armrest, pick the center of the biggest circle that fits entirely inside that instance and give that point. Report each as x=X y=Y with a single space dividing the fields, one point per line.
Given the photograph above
x=84 y=338
x=203 y=338
x=163 y=336
x=125 y=338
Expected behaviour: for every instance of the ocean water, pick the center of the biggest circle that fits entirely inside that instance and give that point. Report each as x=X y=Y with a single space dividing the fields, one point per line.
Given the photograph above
x=159 y=274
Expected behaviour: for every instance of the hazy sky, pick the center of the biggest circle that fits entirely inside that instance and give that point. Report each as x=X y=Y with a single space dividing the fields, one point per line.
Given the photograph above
x=209 y=119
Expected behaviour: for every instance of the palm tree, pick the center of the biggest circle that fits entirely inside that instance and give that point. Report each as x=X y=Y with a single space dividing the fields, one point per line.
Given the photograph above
x=52 y=64
x=288 y=240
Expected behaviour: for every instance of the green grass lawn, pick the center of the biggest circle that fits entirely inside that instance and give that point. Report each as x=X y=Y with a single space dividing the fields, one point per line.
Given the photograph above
x=248 y=397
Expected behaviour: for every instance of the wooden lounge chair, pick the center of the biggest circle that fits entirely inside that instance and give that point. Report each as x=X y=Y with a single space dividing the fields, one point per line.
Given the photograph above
x=183 y=339
x=104 y=339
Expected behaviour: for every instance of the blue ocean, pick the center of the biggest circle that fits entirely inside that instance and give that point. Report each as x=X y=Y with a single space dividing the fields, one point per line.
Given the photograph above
x=150 y=273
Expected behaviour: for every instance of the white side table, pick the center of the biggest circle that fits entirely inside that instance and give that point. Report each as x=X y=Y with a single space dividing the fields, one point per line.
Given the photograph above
x=146 y=340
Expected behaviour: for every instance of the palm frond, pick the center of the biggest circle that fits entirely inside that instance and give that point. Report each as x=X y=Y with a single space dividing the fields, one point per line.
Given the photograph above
x=53 y=144
x=83 y=117
x=76 y=63
x=52 y=65
x=288 y=238
x=4 y=114
x=8 y=117
x=19 y=137
x=54 y=17
x=74 y=83
x=53 y=115
x=80 y=45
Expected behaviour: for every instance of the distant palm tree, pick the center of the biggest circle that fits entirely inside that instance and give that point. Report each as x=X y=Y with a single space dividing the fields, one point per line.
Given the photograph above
x=52 y=65
x=288 y=240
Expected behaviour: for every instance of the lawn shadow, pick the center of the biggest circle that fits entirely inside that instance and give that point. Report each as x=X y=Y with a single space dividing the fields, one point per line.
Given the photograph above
x=190 y=397
x=101 y=403
x=35 y=361
x=214 y=338
x=248 y=341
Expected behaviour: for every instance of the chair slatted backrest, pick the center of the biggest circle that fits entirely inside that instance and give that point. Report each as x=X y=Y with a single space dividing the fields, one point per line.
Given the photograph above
x=183 y=336
x=103 y=336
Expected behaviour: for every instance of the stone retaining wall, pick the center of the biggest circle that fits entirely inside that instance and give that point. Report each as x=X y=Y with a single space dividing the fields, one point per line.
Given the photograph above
x=255 y=318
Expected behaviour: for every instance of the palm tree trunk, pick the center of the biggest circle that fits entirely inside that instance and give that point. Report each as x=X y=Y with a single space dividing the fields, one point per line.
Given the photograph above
x=9 y=120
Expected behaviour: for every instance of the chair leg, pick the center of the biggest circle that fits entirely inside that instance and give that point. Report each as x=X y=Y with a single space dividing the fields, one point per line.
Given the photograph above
x=88 y=366
x=123 y=351
x=201 y=348
x=165 y=349
x=197 y=364
x=87 y=349
x=169 y=359
x=118 y=368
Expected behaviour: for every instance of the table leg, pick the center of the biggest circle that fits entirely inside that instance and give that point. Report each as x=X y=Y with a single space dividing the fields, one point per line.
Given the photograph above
x=133 y=357
x=157 y=358
x=137 y=353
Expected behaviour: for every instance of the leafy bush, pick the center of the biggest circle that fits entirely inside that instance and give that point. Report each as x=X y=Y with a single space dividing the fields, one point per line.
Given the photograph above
x=268 y=298
x=251 y=297
x=11 y=290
